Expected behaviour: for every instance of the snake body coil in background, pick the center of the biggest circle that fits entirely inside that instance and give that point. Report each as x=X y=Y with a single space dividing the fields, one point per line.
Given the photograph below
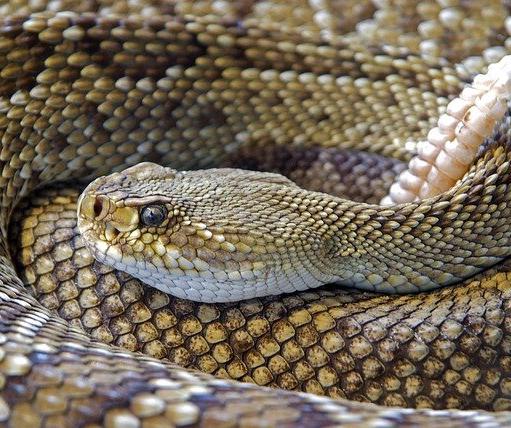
x=98 y=87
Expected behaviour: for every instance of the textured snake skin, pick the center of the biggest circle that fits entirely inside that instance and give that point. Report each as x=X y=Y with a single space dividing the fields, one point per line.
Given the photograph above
x=109 y=85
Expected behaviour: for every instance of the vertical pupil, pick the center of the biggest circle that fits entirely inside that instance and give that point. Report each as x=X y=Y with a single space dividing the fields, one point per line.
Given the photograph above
x=153 y=214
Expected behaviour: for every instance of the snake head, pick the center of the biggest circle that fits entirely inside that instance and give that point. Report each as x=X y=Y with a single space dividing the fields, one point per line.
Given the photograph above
x=212 y=235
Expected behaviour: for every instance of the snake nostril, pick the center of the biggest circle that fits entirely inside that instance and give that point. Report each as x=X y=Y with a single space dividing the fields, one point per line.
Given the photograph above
x=98 y=207
x=93 y=207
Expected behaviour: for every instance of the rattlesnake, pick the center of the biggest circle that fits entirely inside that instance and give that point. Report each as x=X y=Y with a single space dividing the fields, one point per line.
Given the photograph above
x=84 y=94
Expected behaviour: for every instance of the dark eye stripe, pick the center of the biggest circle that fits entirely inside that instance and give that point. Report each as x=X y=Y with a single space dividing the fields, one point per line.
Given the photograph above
x=153 y=215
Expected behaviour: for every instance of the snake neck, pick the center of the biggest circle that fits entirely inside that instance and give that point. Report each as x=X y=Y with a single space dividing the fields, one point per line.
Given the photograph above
x=420 y=246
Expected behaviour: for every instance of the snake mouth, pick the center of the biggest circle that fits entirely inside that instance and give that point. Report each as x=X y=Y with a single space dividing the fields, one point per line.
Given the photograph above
x=101 y=250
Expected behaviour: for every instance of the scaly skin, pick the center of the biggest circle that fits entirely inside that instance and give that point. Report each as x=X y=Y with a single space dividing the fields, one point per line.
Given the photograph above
x=84 y=95
x=228 y=234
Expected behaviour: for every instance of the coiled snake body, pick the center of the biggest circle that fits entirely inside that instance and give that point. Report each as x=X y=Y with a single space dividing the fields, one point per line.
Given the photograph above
x=85 y=94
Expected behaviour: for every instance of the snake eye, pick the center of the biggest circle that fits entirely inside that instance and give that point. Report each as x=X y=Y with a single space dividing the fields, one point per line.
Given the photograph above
x=153 y=215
